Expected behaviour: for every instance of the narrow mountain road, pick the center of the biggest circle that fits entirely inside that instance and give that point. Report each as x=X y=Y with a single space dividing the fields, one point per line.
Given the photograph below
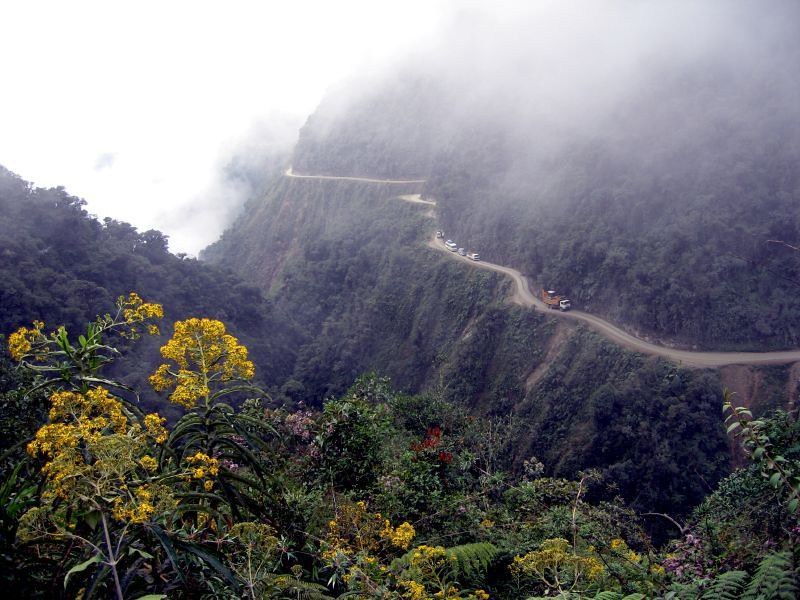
x=523 y=296
x=290 y=173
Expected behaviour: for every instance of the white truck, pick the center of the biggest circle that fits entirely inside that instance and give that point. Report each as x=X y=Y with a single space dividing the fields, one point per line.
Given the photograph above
x=555 y=301
x=473 y=256
x=451 y=245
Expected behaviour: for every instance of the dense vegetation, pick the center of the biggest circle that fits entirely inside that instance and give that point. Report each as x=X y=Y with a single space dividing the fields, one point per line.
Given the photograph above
x=377 y=494
x=348 y=262
x=359 y=295
x=651 y=202
x=59 y=263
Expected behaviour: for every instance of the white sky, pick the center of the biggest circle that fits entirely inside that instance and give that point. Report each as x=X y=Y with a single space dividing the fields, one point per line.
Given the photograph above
x=134 y=106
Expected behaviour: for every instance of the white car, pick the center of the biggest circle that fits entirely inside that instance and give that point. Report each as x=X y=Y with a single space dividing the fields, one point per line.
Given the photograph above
x=462 y=252
x=451 y=245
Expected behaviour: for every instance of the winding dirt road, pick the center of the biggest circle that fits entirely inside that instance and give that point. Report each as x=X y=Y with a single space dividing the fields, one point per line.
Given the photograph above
x=522 y=295
x=290 y=173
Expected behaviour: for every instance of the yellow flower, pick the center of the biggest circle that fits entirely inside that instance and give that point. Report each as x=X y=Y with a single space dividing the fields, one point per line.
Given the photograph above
x=21 y=341
x=487 y=523
x=137 y=310
x=617 y=543
x=481 y=595
x=154 y=425
x=204 y=466
x=414 y=590
x=148 y=463
x=402 y=535
x=203 y=352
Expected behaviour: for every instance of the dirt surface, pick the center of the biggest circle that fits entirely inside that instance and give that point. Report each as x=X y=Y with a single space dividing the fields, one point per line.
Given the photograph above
x=523 y=295
x=290 y=173
x=416 y=199
x=553 y=347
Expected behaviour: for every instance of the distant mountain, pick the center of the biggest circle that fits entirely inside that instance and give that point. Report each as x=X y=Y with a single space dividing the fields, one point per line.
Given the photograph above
x=645 y=186
x=644 y=179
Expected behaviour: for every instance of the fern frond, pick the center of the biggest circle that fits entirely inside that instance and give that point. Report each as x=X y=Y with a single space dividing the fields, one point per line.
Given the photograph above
x=727 y=586
x=607 y=595
x=287 y=586
x=773 y=580
x=472 y=561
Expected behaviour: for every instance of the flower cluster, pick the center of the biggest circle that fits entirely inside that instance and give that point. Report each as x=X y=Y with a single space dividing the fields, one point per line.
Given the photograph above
x=359 y=542
x=94 y=453
x=203 y=352
x=137 y=511
x=400 y=536
x=431 y=558
x=203 y=468
x=135 y=310
x=556 y=564
x=76 y=420
x=432 y=441
x=21 y=342
x=154 y=426
x=689 y=559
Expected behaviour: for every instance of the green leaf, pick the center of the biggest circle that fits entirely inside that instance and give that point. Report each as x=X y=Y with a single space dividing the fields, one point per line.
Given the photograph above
x=140 y=552
x=169 y=548
x=759 y=452
x=793 y=503
x=92 y=518
x=81 y=567
x=152 y=597
x=733 y=426
x=776 y=477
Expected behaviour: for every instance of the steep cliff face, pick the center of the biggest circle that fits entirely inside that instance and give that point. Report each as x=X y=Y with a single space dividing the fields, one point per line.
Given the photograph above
x=646 y=188
x=649 y=198
x=348 y=263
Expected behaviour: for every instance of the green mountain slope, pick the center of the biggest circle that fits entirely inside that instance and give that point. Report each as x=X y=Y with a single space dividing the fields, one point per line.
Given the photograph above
x=61 y=266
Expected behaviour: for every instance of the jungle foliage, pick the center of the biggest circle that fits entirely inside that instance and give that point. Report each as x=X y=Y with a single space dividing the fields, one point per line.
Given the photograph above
x=377 y=494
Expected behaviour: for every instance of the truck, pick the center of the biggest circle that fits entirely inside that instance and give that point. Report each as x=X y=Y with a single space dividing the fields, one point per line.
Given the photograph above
x=451 y=245
x=554 y=300
x=473 y=256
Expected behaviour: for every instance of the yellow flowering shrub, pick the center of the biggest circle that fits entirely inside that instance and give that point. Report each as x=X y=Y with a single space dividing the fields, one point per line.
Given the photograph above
x=203 y=468
x=21 y=342
x=201 y=352
x=154 y=427
x=94 y=456
x=135 y=310
x=556 y=565
x=356 y=530
x=359 y=543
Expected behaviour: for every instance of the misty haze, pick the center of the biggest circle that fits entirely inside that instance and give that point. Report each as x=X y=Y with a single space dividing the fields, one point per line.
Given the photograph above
x=405 y=301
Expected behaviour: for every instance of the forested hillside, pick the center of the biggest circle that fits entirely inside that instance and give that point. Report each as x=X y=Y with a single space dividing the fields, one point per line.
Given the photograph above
x=648 y=187
x=59 y=265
